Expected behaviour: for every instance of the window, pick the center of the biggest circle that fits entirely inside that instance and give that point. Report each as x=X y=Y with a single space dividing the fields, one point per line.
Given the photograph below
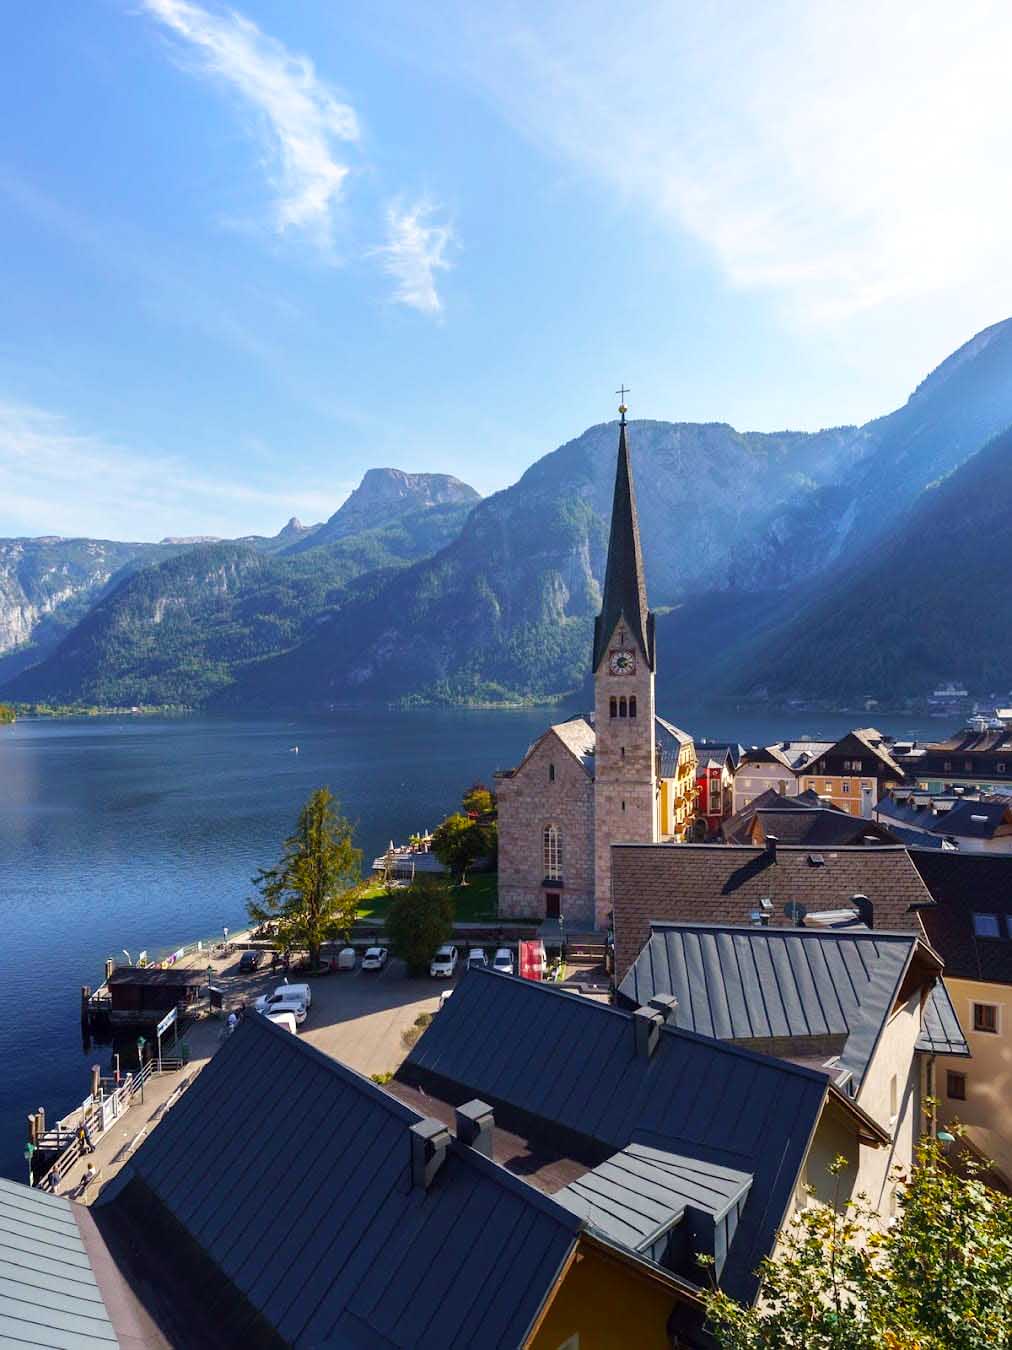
x=783 y=788
x=846 y=766
x=985 y=1018
x=553 y=853
x=623 y=708
x=551 y=773
x=894 y=1097
x=846 y=789
x=1000 y=766
x=621 y=752
x=632 y=705
x=829 y=787
x=968 y=765
x=986 y=925
x=947 y=766
x=955 y=1086
x=613 y=707
x=553 y=905
x=856 y=765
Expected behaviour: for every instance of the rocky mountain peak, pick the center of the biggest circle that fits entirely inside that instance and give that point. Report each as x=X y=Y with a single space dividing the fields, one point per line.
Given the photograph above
x=386 y=494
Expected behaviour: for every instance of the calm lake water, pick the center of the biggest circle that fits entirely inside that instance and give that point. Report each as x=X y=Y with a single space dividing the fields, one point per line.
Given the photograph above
x=144 y=833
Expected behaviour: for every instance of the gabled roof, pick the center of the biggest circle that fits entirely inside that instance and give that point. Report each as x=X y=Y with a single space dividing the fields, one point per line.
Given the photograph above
x=965 y=884
x=568 y=1066
x=718 y=749
x=724 y=883
x=577 y=735
x=737 y=829
x=625 y=588
x=671 y=740
x=49 y=1295
x=353 y=1253
x=821 y=827
x=975 y=820
x=835 y=989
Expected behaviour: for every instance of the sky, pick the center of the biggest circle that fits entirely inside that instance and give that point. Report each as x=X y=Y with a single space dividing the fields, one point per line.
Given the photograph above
x=248 y=252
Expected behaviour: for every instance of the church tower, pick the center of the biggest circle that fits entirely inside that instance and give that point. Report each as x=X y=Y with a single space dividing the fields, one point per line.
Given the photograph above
x=625 y=758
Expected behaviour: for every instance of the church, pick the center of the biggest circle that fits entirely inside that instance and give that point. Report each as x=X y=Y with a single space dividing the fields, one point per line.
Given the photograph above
x=621 y=774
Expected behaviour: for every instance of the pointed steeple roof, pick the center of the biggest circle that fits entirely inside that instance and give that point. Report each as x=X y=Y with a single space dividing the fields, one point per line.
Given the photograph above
x=625 y=589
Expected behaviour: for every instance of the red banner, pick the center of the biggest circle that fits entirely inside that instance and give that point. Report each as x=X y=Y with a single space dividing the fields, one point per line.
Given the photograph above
x=532 y=960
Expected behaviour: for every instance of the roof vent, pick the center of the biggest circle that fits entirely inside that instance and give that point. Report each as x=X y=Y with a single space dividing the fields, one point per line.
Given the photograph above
x=475 y=1126
x=981 y=820
x=647 y=1023
x=665 y=1004
x=771 y=847
x=865 y=909
x=429 y=1142
x=816 y=860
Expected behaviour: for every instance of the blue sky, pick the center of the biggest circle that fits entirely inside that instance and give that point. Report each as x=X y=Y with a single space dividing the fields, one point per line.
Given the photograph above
x=247 y=253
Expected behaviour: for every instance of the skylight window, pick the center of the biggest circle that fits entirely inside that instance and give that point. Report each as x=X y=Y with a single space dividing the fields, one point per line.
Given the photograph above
x=986 y=925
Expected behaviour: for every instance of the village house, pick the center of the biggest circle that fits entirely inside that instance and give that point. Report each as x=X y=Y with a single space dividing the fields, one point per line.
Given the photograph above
x=854 y=773
x=970 y=822
x=970 y=925
x=664 y=1143
x=621 y=772
x=865 y=1006
x=716 y=764
x=773 y=768
x=977 y=758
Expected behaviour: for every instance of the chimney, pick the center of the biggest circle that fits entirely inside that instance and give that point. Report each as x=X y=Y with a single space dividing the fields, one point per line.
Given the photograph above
x=865 y=910
x=475 y=1125
x=665 y=1004
x=771 y=847
x=429 y=1142
x=647 y=1023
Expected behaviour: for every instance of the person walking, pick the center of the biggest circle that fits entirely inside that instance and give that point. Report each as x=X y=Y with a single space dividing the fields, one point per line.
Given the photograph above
x=87 y=1179
x=233 y=1022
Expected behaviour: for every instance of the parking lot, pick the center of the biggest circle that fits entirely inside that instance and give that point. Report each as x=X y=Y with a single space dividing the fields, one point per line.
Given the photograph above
x=357 y=1016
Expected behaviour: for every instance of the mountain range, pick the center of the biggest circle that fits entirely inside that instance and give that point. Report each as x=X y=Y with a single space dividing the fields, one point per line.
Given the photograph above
x=854 y=561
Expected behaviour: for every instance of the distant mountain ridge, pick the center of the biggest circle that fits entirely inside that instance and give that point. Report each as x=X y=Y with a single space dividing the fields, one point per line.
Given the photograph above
x=416 y=589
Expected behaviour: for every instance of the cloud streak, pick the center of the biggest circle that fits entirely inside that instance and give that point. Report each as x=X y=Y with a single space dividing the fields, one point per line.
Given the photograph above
x=57 y=480
x=302 y=124
x=415 y=250
x=841 y=158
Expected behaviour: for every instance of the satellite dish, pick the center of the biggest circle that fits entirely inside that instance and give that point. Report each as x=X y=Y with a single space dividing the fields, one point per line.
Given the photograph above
x=795 y=911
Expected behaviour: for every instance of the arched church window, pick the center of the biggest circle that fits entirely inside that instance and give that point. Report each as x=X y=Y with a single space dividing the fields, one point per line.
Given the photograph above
x=632 y=705
x=551 y=773
x=553 y=853
x=613 y=707
x=622 y=708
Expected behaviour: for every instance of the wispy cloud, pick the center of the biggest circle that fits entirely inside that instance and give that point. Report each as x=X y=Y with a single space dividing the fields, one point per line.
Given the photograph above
x=301 y=121
x=838 y=157
x=415 y=250
x=55 y=479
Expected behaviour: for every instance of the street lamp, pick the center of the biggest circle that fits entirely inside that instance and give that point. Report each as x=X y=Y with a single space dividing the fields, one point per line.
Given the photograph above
x=140 y=1061
x=29 y=1150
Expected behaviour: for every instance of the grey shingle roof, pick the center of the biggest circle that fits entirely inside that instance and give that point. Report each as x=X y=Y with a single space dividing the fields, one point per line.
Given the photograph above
x=748 y=984
x=48 y=1292
x=821 y=827
x=723 y=884
x=348 y=1252
x=567 y=1066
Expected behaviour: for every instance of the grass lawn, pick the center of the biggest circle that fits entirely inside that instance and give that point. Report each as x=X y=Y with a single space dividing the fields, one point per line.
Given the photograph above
x=472 y=903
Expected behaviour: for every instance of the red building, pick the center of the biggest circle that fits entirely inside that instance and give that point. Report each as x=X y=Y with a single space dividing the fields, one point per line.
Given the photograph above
x=715 y=768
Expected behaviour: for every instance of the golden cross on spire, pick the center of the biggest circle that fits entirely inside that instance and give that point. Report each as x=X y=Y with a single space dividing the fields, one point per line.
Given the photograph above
x=621 y=407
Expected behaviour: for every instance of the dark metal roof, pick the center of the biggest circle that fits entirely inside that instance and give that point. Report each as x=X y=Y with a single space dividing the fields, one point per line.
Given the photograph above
x=751 y=984
x=347 y=1251
x=152 y=975
x=724 y=883
x=640 y=1192
x=965 y=884
x=625 y=589
x=569 y=1065
x=941 y=1033
x=48 y=1292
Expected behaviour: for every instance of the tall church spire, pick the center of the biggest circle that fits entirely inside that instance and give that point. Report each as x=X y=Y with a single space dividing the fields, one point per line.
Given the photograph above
x=625 y=591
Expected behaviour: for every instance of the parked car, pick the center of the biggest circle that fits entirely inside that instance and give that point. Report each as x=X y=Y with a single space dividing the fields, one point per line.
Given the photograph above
x=375 y=958
x=444 y=963
x=476 y=959
x=284 y=1002
x=285 y=1019
x=346 y=958
x=443 y=998
x=302 y=990
x=250 y=960
x=503 y=960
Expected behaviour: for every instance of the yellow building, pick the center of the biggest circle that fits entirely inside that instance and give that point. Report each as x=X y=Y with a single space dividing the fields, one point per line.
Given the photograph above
x=677 y=788
x=971 y=928
x=854 y=773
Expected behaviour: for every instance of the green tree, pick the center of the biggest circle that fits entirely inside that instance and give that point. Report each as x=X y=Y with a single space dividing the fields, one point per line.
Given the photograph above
x=6 y=713
x=313 y=893
x=459 y=841
x=938 y=1278
x=419 y=920
x=478 y=801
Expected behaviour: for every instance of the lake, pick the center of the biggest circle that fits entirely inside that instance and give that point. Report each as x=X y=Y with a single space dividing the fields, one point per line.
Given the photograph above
x=131 y=833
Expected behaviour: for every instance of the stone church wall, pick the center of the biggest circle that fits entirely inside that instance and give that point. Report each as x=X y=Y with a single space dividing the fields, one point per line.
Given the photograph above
x=528 y=800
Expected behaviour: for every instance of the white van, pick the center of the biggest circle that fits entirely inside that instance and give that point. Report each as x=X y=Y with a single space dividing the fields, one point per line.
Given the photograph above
x=285 y=1002
x=302 y=991
x=346 y=958
x=285 y=1020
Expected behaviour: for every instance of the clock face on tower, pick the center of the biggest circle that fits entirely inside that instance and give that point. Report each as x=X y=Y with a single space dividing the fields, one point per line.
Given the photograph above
x=622 y=663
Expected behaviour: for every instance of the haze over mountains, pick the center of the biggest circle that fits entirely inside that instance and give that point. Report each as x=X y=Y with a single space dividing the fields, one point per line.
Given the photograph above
x=830 y=564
